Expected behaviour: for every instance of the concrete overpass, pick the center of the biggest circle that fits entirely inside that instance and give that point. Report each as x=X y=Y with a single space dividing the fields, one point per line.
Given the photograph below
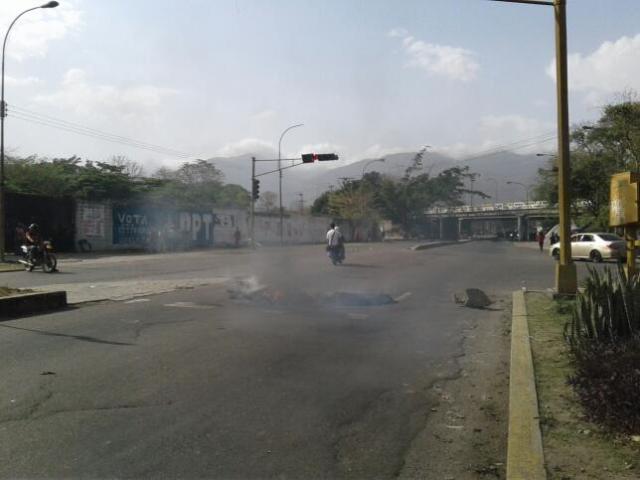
x=489 y=219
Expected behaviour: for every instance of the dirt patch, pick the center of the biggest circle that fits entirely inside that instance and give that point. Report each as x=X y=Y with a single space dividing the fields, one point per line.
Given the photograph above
x=574 y=448
x=465 y=436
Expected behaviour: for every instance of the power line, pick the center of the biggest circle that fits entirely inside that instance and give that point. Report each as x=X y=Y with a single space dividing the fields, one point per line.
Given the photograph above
x=60 y=124
x=517 y=145
x=31 y=120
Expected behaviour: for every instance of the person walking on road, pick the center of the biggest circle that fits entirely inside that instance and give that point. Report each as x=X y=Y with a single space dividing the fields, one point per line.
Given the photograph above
x=335 y=241
x=541 y=239
x=237 y=236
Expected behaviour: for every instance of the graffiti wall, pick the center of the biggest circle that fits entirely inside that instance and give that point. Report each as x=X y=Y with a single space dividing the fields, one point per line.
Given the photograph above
x=102 y=226
x=159 y=229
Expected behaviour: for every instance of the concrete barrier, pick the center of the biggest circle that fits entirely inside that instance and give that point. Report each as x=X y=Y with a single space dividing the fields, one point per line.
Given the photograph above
x=525 y=457
x=31 y=303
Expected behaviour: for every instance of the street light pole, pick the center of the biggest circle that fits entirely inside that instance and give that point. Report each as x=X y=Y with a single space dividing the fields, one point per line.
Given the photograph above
x=527 y=188
x=280 y=180
x=3 y=114
x=566 y=276
x=495 y=199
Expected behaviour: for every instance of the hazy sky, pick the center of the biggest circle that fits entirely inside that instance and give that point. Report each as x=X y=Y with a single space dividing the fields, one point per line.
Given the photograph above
x=366 y=77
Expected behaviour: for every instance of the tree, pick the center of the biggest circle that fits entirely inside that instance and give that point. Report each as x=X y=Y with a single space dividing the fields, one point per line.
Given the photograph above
x=129 y=167
x=199 y=172
x=268 y=201
x=404 y=202
x=321 y=204
x=610 y=146
x=68 y=177
x=231 y=195
x=194 y=185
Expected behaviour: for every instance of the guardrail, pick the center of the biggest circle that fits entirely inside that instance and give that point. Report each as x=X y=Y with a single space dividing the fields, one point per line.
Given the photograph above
x=491 y=207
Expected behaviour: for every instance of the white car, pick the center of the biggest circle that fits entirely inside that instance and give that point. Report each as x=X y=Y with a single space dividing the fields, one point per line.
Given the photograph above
x=594 y=246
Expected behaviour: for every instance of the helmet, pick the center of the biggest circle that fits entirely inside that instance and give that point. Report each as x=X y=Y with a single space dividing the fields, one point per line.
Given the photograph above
x=34 y=226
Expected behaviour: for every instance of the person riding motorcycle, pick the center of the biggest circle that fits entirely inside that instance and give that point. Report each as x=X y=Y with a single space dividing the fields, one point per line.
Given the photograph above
x=34 y=241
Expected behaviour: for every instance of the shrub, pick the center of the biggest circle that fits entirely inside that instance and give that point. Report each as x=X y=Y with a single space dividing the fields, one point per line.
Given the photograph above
x=604 y=337
x=608 y=311
x=607 y=381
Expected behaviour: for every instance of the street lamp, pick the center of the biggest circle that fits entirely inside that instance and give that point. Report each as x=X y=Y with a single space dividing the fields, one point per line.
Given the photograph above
x=3 y=113
x=369 y=163
x=566 y=275
x=526 y=187
x=554 y=167
x=495 y=199
x=280 y=180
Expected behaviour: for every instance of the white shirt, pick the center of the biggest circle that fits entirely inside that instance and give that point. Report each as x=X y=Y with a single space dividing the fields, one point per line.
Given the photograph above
x=333 y=237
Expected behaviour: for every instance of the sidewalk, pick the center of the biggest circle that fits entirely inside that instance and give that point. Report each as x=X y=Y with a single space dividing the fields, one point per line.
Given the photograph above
x=127 y=289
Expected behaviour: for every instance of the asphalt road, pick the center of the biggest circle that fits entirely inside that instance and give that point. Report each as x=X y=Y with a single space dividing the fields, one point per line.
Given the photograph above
x=285 y=384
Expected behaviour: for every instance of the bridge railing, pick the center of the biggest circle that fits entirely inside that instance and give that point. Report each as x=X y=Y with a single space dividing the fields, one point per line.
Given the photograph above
x=491 y=207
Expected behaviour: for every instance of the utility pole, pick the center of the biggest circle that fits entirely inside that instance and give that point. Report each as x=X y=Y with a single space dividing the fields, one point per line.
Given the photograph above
x=252 y=218
x=471 y=193
x=301 y=195
x=566 y=275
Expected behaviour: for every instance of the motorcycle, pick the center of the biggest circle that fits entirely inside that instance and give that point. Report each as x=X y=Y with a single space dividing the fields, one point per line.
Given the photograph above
x=336 y=254
x=43 y=256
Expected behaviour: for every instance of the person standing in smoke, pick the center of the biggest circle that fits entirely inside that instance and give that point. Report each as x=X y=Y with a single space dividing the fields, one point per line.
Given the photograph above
x=335 y=241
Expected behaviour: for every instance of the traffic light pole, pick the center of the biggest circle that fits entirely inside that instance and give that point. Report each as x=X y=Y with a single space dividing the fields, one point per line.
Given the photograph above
x=306 y=158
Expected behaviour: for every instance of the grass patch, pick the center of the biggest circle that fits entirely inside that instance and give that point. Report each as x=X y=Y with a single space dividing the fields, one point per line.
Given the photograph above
x=574 y=447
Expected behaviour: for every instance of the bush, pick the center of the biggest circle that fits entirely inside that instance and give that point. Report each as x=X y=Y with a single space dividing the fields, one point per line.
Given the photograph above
x=604 y=337
x=607 y=312
x=607 y=381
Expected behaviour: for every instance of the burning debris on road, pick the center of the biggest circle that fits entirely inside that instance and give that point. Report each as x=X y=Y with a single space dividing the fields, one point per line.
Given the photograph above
x=248 y=290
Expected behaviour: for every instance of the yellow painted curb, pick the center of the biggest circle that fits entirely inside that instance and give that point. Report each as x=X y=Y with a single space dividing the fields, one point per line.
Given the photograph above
x=525 y=457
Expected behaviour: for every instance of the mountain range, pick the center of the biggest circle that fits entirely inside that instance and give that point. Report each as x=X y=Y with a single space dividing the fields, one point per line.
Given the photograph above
x=313 y=179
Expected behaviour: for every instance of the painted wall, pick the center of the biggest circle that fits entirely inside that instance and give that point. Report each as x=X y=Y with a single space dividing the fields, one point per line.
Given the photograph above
x=108 y=227
x=93 y=224
x=297 y=229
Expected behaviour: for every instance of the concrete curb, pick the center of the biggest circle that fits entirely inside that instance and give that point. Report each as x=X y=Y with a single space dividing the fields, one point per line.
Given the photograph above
x=11 y=267
x=31 y=303
x=525 y=456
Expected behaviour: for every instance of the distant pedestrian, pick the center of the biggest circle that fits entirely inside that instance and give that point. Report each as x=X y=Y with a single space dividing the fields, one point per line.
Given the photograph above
x=236 y=237
x=541 y=239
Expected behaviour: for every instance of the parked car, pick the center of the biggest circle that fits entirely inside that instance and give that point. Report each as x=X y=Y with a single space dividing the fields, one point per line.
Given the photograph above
x=594 y=246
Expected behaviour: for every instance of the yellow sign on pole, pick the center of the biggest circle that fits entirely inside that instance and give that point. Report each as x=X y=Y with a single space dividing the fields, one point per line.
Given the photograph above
x=623 y=206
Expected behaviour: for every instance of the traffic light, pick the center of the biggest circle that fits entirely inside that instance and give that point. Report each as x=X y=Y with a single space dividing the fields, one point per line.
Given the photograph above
x=325 y=157
x=321 y=157
x=255 y=189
